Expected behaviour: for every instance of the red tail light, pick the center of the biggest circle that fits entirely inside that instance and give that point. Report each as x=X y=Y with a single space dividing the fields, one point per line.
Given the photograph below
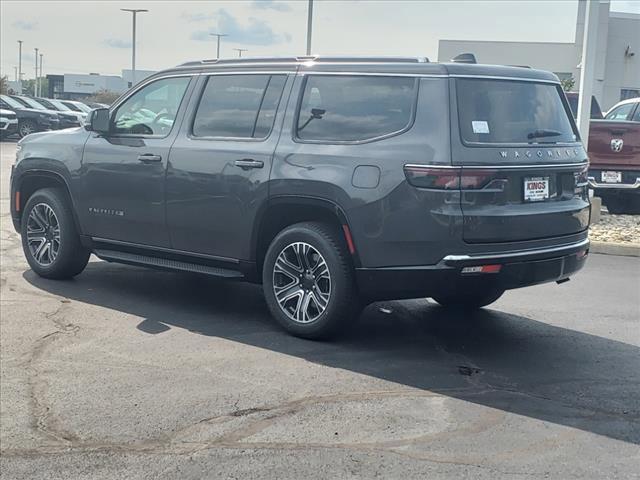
x=447 y=178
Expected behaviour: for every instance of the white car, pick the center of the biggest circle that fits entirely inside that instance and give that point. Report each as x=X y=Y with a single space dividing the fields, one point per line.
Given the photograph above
x=625 y=110
x=8 y=123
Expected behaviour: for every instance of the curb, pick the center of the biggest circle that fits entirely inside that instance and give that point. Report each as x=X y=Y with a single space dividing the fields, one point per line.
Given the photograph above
x=622 y=249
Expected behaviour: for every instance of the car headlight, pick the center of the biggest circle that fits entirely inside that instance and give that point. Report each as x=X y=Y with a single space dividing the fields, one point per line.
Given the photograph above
x=43 y=116
x=18 y=148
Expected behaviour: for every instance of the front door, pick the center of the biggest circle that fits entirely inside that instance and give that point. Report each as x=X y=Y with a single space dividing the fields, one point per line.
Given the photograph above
x=123 y=176
x=219 y=168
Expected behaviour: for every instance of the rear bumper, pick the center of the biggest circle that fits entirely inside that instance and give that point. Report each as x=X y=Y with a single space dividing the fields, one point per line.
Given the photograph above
x=518 y=269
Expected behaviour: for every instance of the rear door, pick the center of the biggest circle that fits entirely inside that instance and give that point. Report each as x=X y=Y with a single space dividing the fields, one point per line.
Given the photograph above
x=523 y=169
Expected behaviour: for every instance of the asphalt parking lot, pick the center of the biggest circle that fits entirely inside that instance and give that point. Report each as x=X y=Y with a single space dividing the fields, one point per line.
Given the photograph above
x=131 y=373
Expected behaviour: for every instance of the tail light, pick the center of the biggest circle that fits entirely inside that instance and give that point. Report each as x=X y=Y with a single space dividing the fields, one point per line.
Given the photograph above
x=448 y=178
x=582 y=180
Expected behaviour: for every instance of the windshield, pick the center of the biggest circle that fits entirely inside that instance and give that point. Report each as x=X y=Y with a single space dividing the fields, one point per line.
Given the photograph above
x=11 y=102
x=512 y=112
x=31 y=103
x=59 y=105
x=73 y=107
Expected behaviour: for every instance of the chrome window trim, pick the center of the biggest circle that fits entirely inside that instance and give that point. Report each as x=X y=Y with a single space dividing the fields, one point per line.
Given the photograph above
x=515 y=79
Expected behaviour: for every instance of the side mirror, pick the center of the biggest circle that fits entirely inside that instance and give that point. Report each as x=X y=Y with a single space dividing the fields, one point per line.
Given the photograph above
x=98 y=121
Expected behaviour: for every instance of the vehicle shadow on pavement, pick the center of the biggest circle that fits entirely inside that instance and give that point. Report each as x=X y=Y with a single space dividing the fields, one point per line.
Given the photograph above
x=492 y=358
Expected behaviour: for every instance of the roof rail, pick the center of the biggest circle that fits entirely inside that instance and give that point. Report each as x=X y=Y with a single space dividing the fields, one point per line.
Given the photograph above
x=306 y=58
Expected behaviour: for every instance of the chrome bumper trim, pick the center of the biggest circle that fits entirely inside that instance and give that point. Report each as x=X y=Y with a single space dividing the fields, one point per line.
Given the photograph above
x=624 y=186
x=520 y=253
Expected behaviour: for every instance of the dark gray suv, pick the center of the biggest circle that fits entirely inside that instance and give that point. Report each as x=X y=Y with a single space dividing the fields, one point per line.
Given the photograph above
x=331 y=181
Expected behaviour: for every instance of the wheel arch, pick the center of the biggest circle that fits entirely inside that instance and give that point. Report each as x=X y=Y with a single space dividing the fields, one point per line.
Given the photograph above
x=33 y=180
x=281 y=211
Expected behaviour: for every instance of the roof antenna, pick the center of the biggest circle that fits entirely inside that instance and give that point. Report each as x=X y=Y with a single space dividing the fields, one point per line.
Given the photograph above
x=464 y=58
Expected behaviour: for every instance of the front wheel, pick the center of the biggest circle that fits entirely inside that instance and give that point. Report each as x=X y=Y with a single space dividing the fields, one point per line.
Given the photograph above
x=308 y=280
x=50 y=240
x=469 y=299
x=26 y=127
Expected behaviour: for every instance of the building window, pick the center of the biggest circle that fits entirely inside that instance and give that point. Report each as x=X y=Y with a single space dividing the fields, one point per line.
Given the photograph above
x=626 y=93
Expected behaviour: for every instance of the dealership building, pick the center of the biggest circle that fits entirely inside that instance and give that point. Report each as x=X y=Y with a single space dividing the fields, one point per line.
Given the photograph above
x=72 y=86
x=617 y=74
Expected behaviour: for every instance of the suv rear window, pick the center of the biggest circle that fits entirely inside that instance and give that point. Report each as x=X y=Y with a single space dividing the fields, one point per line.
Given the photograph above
x=512 y=112
x=355 y=108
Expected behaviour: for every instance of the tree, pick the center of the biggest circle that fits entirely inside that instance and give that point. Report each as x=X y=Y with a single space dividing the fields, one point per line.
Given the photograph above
x=568 y=83
x=4 y=85
x=103 y=96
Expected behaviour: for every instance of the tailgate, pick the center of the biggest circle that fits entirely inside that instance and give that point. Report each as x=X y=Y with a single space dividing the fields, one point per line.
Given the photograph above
x=614 y=143
x=527 y=203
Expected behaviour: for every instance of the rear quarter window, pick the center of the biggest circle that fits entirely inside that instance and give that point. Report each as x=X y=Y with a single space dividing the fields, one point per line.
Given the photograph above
x=512 y=112
x=342 y=109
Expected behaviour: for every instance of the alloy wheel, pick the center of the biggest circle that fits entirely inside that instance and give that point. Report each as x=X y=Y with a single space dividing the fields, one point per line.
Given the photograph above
x=26 y=129
x=43 y=234
x=301 y=282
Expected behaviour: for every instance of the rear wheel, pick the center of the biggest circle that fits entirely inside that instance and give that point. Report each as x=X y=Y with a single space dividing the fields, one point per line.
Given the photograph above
x=470 y=299
x=26 y=127
x=308 y=280
x=50 y=240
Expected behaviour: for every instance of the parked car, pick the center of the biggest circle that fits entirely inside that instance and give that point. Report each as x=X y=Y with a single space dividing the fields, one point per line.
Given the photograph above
x=30 y=120
x=57 y=105
x=66 y=120
x=333 y=182
x=8 y=123
x=96 y=104
x=595 y=112
x=614 y=153
x=78 y=106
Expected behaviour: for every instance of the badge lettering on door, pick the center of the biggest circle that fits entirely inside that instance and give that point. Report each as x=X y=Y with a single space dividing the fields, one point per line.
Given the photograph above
x=106 y=211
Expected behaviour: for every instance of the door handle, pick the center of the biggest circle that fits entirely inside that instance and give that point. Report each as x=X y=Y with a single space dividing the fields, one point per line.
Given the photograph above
x=247 y=163
x=149 y=157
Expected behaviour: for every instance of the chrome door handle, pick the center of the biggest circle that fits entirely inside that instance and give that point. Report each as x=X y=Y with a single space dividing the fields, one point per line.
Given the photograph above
x=149 y=157
x=247 y=163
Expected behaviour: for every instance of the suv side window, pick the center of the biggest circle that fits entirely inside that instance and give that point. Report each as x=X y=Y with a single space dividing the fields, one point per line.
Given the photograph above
x=355 y=108
x=152 y=109
x=620 y=113
x=238 y=106
x=636 y=116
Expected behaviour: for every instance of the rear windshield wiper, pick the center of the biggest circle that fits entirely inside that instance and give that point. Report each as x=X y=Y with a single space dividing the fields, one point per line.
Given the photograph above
x=543 y=133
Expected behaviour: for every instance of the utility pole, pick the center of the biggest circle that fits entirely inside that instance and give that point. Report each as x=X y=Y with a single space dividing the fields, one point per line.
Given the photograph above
x=309 y=25
x=240 y=50
x=588 y=73
x=20 y=66
x=218 y=48
x=134 y=11
x=41 y=76
x=35 y=83
x=15 y=72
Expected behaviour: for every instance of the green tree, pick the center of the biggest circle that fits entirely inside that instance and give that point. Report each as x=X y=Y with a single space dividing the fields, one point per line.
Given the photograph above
x=568 y=83
x=29 y=87
x=103 y=96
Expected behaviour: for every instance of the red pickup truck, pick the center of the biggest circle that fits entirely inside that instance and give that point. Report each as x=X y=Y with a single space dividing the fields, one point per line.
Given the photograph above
x=614 y=156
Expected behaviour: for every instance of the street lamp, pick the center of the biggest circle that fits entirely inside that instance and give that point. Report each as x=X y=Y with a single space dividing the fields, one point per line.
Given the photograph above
x=240 y=50
x=133 y=41
x=35 y=83
x=41 y=77
x=20 y=66
x=218 y=48
x=309 y=25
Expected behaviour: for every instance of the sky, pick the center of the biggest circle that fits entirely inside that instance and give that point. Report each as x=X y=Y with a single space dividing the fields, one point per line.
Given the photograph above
x=88 y=36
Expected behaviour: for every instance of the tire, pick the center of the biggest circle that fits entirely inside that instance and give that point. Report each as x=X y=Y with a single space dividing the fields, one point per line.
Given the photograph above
x=47 y=218
x=470 y=299
x=26 y=127
x=330 y=297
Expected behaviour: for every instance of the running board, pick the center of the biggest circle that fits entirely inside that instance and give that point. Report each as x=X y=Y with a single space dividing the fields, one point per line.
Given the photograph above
x=155 y=262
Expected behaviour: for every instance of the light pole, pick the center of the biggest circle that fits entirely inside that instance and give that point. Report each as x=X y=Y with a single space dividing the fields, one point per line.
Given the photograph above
x=218 y=48
x=20 y=66
x=134 y=11
x=240 y=50
x=309 y=25
x=35 y=83
x=41 y=77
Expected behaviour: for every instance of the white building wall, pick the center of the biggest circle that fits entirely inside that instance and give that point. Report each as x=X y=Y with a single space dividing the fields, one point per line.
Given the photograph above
x=614 y=71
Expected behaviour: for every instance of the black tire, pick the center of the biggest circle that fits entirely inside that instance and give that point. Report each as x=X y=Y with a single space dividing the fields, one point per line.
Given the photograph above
x=71 y=257
x=343 y=302
x=26 y=127
x=469 y=299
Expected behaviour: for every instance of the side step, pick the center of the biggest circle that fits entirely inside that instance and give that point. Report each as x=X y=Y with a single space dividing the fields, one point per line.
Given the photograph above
x=155 y=262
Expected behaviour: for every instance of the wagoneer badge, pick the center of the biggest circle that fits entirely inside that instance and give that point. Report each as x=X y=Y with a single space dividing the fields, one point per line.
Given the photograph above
x=616 y=144
x=557 y=153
